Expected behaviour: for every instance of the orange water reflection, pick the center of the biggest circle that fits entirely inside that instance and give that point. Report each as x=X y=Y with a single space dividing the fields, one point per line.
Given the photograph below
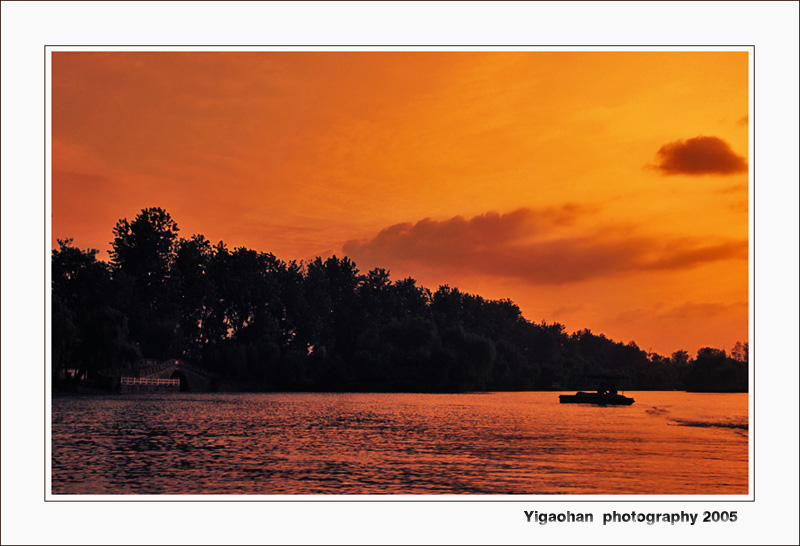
x=493 y=443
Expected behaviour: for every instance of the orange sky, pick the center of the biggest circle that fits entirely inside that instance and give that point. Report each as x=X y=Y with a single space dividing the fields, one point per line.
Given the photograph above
x=604 y=190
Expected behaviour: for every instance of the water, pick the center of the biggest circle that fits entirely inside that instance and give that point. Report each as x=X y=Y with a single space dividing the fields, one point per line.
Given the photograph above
x=493 y=443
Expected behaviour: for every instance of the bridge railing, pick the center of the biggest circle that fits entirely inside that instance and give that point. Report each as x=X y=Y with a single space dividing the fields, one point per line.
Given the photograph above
x=148 y=381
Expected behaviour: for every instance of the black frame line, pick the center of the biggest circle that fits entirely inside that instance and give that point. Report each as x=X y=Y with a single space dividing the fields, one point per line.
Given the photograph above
x=289 y=48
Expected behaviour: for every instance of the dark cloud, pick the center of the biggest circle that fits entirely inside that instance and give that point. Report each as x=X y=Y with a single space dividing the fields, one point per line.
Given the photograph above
x=700 y=155
x=457 y=237
x=686 y=253
x=529 y=245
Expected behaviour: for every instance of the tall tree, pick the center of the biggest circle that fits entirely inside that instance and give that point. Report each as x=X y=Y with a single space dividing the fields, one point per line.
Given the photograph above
x=145 y=248
x=80 y=286
x=195 y=292
x=142 y=258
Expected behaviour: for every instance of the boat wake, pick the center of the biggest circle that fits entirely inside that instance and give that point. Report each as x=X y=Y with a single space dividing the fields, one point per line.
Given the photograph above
x=710 y=424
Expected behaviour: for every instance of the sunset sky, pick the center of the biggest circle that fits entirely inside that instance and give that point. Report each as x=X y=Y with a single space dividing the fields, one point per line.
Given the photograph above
x=602 y=190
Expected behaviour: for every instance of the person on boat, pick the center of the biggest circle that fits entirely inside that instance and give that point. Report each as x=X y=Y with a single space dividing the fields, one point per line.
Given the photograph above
x=613 y=389
x=602 y=389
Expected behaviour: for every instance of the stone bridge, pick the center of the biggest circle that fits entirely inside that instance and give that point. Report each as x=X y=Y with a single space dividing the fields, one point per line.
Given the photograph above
x=192 y=378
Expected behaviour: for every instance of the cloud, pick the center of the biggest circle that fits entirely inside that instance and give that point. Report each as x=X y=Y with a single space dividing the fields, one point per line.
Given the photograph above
x=567 y=310
x=740 y=206
x=736 y=188
x=698 y=156
x=685 y=253
x=426 y=239
x=703 y=310
x=683 y=313
x=532 y=246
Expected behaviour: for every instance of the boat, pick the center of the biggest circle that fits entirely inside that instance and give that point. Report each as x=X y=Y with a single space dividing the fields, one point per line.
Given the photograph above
x=599 y=398
x=603 y=396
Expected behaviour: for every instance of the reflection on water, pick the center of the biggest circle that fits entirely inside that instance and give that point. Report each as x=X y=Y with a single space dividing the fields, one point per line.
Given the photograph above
x=494 y=443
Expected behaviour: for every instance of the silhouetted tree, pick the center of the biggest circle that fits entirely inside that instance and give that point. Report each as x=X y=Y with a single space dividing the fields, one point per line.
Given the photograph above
x=64 y=336
x=145 y=249
x=104 y=343
x=195 y=293
x=81 y=285
x=78 y=277
x=741 y=351
x=680 y=358
x=714 y=371
x=142 y=259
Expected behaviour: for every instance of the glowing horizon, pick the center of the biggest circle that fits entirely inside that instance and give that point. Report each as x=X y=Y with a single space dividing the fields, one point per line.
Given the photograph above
x=602 y=190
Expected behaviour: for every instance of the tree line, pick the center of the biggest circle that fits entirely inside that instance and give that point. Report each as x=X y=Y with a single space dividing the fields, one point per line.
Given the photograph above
x=268 y=324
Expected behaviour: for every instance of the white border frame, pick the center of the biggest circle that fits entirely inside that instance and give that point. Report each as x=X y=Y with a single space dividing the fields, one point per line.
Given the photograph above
x=27 y=26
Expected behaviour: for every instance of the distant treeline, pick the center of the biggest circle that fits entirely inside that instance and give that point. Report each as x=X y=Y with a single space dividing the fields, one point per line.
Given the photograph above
x=253 y=319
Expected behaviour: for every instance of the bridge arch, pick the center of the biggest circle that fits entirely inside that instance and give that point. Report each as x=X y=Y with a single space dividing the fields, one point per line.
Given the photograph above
x=178 y=374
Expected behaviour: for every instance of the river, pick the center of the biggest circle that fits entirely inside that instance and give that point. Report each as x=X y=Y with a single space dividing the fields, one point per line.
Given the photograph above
x=522 y=443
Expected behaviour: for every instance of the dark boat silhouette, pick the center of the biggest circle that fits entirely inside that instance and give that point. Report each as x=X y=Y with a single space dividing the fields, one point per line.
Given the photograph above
x=602 y=397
